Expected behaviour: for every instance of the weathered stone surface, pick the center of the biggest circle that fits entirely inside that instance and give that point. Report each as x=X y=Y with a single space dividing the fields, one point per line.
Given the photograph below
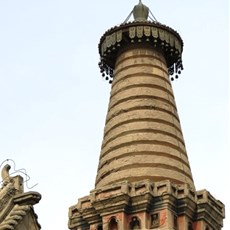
x=142 y=116
x=16 y=206
x=177 y=206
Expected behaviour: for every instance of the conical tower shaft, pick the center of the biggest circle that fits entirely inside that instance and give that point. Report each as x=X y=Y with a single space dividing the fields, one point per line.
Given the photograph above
x=142 y=135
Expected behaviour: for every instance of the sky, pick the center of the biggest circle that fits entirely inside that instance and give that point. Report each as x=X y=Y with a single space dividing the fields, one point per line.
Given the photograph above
x=53 y=101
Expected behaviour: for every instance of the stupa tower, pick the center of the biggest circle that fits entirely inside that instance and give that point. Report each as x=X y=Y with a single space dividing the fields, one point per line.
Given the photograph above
x=144 y=180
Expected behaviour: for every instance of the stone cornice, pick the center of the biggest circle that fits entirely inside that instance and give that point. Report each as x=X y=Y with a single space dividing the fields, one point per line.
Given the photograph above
x=210 y=209
x=156 y=35
x=148 y=197
x=28 y=198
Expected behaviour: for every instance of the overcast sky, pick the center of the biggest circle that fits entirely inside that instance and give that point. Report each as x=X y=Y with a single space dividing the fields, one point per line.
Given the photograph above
x=53 y=101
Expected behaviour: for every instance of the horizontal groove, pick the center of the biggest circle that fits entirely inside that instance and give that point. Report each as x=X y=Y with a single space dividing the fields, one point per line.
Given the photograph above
x=140 y=65
x=135 y=56
x=144 y=165
x=151 y=97
x=143 y=153
x=138 y=74
x=143 y=107
x=141 y=120
x=140 y=85
x=151 y=142
x=137 y=131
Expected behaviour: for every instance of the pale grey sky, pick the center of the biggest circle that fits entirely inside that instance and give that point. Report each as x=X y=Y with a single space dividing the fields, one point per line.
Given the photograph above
x=53 y=101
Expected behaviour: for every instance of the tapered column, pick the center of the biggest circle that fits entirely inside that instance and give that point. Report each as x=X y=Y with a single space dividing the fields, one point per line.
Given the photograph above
x=144 y=179
x=142 y=135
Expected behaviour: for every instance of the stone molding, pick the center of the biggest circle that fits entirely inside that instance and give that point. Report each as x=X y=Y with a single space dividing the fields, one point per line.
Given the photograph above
x=149 y=197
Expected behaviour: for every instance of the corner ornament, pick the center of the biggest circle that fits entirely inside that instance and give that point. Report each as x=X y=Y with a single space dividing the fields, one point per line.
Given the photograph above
x=5 y=174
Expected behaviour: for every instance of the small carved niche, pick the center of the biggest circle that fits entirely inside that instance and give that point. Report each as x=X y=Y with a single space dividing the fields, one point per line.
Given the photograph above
x=200 y=196
x=135 y=223
x=190 y=227
x=162 y=189
x=99 y=227
x=139 y=189
x=113 y=224
x=180 y=191
x=155 y=220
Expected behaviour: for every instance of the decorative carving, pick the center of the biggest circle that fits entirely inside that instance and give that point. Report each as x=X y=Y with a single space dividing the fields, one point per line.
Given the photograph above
x=113 y=39
x=135 y=223
x=108 y=41
x=159 y=36
x=14 y=217
x=155 y=220
x=155 y=32
x=108 y=201
x=119 y=36
x=171 y=40
x=139 y=31
x=166 y=37
x=147 y=31
x=6 y=194
x=5 y=174
x=132 y=32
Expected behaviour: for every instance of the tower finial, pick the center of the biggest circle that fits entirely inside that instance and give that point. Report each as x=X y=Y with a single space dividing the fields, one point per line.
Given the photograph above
x=140 y=12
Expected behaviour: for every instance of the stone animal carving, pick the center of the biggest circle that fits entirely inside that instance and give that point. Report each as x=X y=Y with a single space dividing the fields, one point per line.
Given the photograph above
x=5 y=174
